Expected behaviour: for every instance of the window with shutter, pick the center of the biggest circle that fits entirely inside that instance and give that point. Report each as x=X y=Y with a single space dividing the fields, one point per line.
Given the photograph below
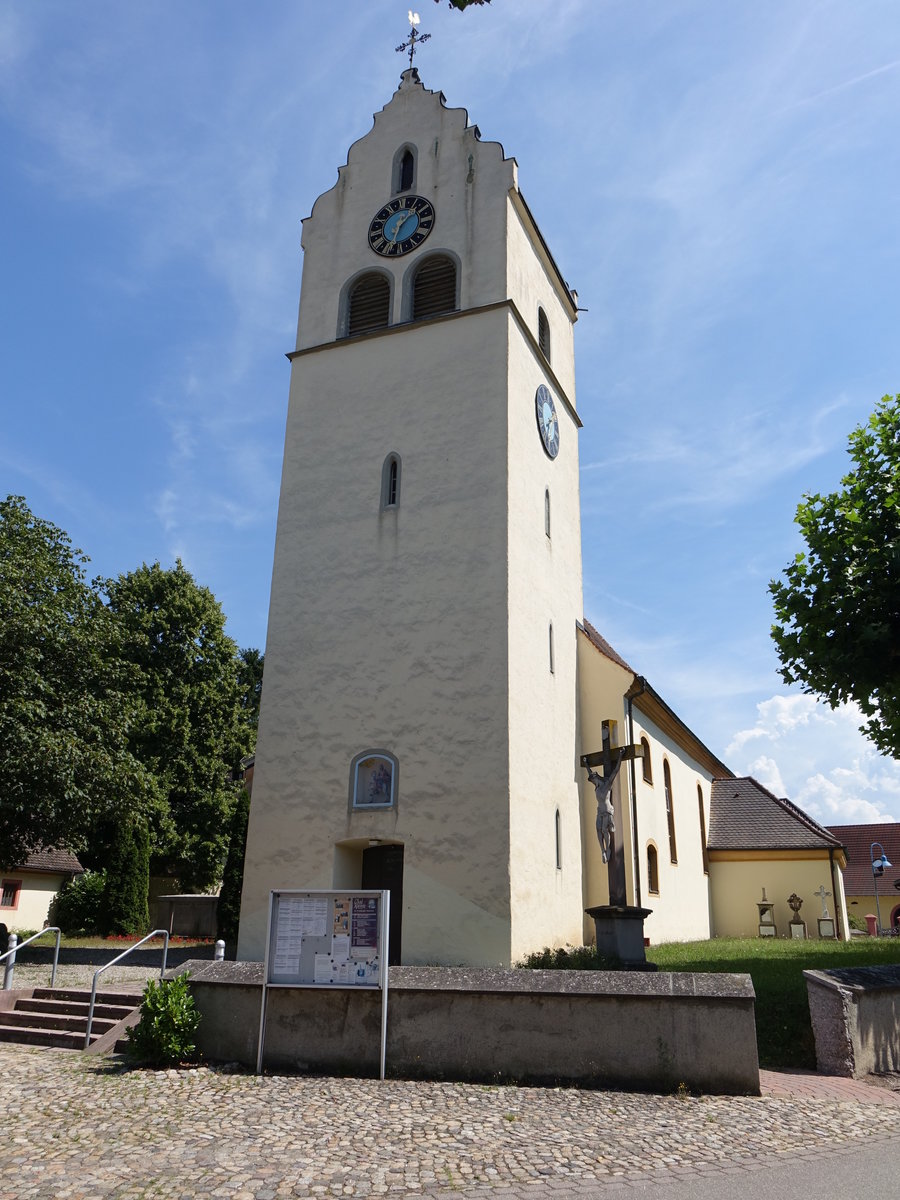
x=434 y=288
x=369 y=304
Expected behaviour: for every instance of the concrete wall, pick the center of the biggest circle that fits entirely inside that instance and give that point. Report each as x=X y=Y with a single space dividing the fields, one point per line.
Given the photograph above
x=636 y=1030
x=737 y=879
x=855 y=1017
x=187 y=916
x=35 y=897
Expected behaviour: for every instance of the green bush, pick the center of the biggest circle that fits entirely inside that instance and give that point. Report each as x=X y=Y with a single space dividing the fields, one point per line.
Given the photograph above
x=164 y=1036
x=78 y=906
x=569 y=958
x=857 y=922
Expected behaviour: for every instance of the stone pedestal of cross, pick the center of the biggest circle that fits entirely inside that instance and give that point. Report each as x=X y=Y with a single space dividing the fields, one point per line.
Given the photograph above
x=619 y=926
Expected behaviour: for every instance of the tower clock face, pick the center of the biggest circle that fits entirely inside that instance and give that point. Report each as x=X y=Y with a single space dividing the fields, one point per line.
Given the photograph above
x=548 y=422
x=401 y=225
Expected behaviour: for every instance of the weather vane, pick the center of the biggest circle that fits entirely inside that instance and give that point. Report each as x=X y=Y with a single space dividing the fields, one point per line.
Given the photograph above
x=414 y=38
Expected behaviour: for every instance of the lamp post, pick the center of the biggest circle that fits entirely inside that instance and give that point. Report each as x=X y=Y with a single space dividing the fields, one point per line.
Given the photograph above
x=878 y=865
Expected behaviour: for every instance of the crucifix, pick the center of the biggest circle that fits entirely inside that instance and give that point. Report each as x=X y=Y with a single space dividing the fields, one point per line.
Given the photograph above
x=821 y=893
x=415 y=39
x=602 y=767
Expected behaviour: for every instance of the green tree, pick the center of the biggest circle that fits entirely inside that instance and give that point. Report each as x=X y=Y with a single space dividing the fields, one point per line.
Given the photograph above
x=250 y=679
x=193 y=733
x=228 y=911
x=838 y=606
x=67 y=705
x=125 y=908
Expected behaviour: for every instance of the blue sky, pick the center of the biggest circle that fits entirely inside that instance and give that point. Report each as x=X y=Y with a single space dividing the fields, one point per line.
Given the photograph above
x=720 y=182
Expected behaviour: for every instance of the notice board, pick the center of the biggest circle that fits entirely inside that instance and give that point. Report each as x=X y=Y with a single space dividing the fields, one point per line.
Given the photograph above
x=327 y=939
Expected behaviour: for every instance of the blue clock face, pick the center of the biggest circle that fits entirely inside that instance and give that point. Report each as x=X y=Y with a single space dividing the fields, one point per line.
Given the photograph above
x=548 y=422
x=401 y=225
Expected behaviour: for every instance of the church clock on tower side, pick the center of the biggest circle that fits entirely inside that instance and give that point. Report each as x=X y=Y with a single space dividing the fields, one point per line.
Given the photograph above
x=418 y=725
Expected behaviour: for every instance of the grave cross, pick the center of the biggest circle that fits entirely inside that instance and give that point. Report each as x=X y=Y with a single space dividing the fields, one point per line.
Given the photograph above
x=609 y=761
x=821 y=893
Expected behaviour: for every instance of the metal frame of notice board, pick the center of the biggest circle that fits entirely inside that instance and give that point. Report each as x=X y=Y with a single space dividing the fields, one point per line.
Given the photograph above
x=323 y=940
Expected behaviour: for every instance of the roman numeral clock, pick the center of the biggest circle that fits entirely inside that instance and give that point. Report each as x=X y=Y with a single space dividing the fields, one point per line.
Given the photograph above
x=401 y=226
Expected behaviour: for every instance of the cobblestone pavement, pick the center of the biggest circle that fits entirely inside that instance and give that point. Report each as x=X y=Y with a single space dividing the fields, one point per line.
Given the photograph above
x=88 y=1127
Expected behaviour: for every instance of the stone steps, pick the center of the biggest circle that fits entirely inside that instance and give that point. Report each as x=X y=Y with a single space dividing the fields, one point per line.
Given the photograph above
x=58 y=1016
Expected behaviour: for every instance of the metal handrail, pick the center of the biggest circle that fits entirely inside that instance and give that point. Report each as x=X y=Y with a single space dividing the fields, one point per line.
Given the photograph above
x=13 y=951
x=124 y=954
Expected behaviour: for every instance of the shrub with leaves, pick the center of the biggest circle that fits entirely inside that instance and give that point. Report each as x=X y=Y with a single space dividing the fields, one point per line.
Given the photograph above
x=78 y=905
x=165 y=1034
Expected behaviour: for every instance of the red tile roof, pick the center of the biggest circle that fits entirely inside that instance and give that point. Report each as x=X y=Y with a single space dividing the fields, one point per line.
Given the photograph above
x=858 y=839
x=600 y=643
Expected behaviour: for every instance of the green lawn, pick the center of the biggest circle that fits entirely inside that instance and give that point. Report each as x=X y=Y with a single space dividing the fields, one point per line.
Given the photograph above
x=783 y=1029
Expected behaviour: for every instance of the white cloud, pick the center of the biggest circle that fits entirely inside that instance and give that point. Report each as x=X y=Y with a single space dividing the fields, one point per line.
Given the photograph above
x=817 y=757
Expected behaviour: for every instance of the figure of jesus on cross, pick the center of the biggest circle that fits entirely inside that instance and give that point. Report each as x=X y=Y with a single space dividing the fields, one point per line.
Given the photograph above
x=609 y=761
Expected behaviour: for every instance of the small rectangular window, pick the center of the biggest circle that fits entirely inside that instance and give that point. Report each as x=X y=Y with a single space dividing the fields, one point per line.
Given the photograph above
x=9 y=893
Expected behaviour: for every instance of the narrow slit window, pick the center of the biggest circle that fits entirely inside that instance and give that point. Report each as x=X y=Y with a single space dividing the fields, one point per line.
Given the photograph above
x=558 y=831
x=390 y=482
x=552 y=662
x=547 y=512
x=407 y=170
x=544 y=334
x=670 y=812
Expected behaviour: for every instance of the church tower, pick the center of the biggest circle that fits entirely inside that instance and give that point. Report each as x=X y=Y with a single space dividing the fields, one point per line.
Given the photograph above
x=418 y=723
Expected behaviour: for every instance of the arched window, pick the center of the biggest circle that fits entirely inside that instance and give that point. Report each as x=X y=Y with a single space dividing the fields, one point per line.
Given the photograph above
x=652 y=870
x=404 y=170
x=407 y=167
x=703 y=849
x=434 y=287
x=552 y=662
x=646 y=764
x=544 y=334
x=670 y=811
x=558 y=831
x=390 y=481
x=369 y=303
x=547 y=511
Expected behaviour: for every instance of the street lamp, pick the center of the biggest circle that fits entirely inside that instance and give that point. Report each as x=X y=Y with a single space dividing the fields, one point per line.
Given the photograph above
x=878 y=865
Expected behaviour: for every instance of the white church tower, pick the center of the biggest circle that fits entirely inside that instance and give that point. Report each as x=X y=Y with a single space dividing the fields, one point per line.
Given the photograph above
x=418 y=725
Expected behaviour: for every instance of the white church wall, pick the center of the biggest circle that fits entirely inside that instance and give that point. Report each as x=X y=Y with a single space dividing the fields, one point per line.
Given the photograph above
x=532 y=283
x=544 y=590
x=681 y=910
x=383 y=630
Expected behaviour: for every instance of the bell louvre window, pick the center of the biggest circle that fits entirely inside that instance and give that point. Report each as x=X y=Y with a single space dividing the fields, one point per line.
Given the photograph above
x=544 y=334
x=370 y=304
x=434 y=289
